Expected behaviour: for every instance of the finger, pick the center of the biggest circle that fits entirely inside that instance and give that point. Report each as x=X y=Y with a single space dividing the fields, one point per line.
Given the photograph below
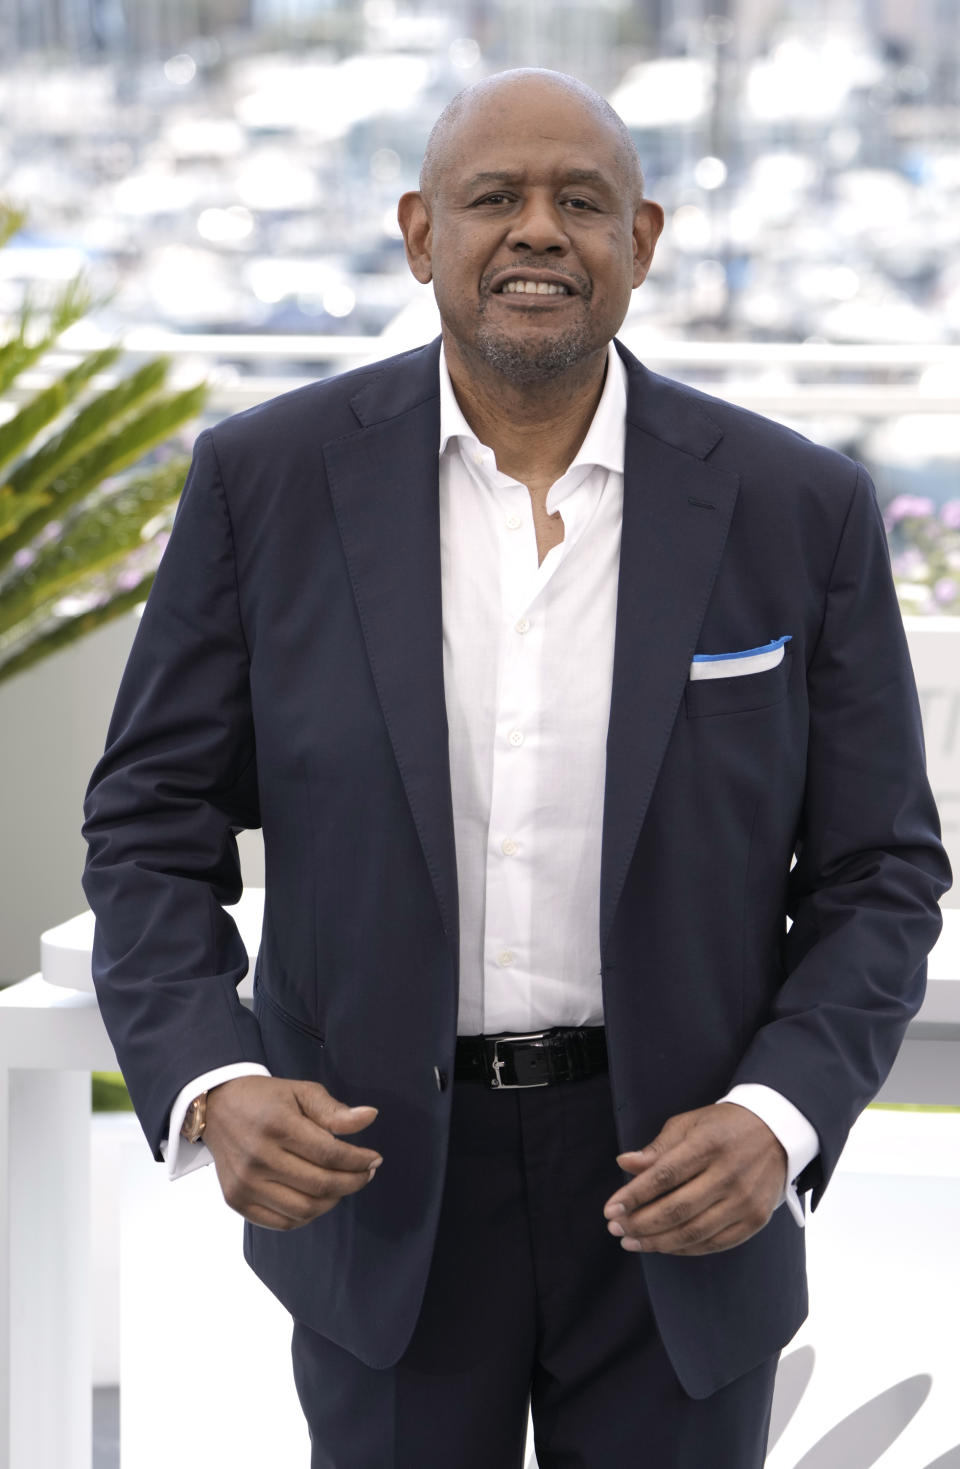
x=286 y=1207
x=639 y=1158
x=666 y=1173
x=266 y=1218
x=307 y=1140
x=699 y=1235
x=294 y=1204
x=675 y=1211
x=674 y=1151
x=318 y=1191
x=316 y=1103
x=674 y=1131
x=737 y=1234
x=353 y=1119
x=315 y=1183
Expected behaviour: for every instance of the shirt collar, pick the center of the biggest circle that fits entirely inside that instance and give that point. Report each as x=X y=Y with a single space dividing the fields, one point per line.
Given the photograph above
x=605 y=439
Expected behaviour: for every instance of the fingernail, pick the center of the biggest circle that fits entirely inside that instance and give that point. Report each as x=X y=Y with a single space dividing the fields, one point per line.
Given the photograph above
x=616 y=1229
x=612 y=1210
x=363 y=1108
x=375 y=1164
x=633 y=1245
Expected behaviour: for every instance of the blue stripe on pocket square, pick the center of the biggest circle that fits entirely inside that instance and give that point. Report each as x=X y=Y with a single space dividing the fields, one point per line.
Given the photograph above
x=734 y=665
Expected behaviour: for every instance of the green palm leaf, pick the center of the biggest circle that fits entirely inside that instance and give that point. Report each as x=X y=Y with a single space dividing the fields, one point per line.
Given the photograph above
x=30 y=342
x=51 y=639
x=96 y=540
x=60 y=581
x=11 y=220
x=41 y=410
x=137 y=435
x=27 y=486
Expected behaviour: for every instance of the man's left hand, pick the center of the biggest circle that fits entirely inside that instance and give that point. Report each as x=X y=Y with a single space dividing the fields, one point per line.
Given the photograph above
x=708 y=1181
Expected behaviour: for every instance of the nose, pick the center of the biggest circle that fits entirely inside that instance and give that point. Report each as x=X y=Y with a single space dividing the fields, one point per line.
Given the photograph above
x=539 y=228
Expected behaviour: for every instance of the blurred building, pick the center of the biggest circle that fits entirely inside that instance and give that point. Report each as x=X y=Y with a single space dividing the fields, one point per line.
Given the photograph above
x=927 y=32
x=132 y=27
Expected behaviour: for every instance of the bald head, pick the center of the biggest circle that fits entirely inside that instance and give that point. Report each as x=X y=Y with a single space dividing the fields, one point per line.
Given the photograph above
x=532 y=226
x=492 y=93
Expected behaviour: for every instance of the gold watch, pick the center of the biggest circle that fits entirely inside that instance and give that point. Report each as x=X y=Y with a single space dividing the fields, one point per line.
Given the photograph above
x=195 y=1120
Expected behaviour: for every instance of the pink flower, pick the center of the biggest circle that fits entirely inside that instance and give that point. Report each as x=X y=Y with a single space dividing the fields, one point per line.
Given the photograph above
x=902 y=506
x=950 y=514
x=945 y=590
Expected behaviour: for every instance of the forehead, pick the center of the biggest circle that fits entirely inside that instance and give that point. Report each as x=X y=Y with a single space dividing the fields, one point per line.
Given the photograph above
x=532 y=131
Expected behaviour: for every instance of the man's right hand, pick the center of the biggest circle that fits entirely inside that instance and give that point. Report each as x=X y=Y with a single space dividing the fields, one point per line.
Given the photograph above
x=278 y=1159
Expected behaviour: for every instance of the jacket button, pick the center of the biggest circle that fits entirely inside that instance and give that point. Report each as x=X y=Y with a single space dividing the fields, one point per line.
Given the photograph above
x=440 y=1077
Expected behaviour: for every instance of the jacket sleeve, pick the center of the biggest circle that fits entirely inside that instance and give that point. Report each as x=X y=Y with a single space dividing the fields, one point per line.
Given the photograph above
x=177 y=781
x=869 y=869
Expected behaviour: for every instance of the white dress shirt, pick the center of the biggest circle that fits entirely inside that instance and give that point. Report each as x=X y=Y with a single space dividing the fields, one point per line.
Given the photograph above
x=528 y=664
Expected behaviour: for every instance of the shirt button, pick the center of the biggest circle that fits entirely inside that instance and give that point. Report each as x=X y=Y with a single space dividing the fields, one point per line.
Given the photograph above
x=505 y=958
x=523 y=625
x=478 y=458
x=508 y=846
x=515 y=737
x=513 y=522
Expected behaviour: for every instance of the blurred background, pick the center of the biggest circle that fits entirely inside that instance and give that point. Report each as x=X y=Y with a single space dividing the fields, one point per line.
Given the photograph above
x=225 y=168
x=233 y=165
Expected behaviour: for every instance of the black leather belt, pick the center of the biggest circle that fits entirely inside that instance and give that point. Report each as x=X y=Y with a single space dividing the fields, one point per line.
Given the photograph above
x=538 y=1058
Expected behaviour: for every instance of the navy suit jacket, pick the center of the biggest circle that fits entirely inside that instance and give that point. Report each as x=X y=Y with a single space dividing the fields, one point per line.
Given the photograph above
x=287 y=673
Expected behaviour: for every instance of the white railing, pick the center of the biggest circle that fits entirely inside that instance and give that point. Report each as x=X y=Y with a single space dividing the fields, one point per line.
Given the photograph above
x=758 y=375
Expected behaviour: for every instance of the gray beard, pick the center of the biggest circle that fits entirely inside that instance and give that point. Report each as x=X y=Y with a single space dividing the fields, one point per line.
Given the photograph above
x=531 y=362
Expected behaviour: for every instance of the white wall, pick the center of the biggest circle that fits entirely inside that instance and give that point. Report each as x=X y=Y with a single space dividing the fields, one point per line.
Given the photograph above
x=53 y=722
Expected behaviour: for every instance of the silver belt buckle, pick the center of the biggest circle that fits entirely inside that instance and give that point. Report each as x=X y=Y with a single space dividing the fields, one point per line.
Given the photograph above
x=513 y=1086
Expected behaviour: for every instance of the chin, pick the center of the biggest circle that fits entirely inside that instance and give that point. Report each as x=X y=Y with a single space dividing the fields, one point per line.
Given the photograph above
x=525 y=361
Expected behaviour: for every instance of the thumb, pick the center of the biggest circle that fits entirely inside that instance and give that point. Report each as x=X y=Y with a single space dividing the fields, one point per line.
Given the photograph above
x=673 y=1131
x=637 y=1160
x=640 y=1158
x=317 y=1104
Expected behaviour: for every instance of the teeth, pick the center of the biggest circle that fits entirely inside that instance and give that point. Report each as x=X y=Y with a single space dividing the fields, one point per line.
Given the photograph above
x=534 y=288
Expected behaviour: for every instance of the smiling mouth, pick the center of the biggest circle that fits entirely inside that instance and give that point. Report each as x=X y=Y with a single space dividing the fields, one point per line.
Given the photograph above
x=533 y=288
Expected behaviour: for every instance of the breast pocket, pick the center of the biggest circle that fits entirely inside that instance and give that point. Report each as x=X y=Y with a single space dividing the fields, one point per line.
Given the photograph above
x=740 y=693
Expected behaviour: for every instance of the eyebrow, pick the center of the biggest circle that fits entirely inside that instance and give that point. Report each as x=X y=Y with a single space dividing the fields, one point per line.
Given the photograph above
x=570 y=176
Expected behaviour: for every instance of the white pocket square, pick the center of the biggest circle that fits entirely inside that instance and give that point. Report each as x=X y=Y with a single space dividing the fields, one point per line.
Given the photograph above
x=734 y=665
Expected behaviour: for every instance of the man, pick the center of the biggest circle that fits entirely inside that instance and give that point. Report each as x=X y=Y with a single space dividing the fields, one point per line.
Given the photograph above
x=556 y=687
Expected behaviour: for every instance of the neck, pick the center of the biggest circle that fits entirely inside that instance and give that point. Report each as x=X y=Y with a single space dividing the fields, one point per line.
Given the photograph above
x=534 y=429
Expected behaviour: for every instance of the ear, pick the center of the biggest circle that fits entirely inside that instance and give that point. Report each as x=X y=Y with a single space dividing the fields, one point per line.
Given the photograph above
x=413 y=218
x=647 y=225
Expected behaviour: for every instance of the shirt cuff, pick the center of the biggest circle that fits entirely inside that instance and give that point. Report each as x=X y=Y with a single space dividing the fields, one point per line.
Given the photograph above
x=182 y=1157
x=794 y=1133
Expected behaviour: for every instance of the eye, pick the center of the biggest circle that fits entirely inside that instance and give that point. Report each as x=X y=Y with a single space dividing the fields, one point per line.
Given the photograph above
x=580 y=203
x=497 y=197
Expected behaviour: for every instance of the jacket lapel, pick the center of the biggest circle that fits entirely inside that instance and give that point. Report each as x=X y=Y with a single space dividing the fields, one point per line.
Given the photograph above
x=384 y=483
x=676 y=513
